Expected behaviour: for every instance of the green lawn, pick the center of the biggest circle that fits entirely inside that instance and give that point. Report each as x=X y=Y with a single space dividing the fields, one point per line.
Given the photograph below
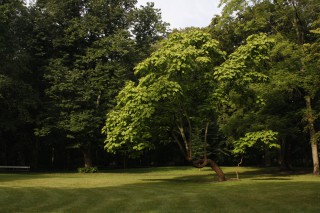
x=176 y=189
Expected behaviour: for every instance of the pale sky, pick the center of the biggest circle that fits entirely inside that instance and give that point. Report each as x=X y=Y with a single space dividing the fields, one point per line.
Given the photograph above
x=183 y=13
x=186 y=13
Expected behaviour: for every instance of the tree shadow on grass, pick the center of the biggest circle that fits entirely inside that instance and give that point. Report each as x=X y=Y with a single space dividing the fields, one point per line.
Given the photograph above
x=213 y=179
x=207 y=176
x=272 y=178
x=146 y=170
x=270 y=172
x=7 y=177
x=178 y=194
x=185 y=179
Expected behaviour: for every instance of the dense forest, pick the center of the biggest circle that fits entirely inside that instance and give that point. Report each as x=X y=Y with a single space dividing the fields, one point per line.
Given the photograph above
x=105 y=83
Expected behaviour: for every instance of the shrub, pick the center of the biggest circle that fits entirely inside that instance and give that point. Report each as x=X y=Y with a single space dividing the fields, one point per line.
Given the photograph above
x=88 y=170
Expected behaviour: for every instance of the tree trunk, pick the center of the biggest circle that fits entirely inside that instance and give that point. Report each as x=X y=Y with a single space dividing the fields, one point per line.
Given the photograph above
x=87 y=158
x=315 y=158
x=313 y=137
x=187 y=151
x=217 y=169
x=214 y=166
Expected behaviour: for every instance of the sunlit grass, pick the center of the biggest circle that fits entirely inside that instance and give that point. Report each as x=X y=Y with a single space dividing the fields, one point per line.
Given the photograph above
x=175 y=189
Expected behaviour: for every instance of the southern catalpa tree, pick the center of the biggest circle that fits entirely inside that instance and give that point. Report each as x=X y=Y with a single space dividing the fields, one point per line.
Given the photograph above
x=173 y=99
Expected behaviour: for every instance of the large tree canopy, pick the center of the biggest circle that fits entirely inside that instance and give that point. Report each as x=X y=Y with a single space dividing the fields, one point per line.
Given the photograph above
x=178 y=93
x=176 y=76
x=171 y=98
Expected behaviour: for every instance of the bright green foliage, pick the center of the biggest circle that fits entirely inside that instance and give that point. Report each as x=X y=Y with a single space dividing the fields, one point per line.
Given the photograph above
x=129 y=125
x=172 y=94
x=260 y=140
x=179 y=91
x=176 y=55
x=244 y=66
x=317 y=31
x=293 y=90
x=236 y=99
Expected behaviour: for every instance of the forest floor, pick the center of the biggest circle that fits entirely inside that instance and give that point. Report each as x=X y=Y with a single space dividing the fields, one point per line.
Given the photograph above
x=163 y=189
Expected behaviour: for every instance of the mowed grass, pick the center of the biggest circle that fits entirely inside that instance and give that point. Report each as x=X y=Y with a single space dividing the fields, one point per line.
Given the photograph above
x=170 y=189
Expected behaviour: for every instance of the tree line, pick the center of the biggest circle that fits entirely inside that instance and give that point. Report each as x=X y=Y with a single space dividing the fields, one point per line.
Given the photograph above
x=62 y=64
x=244 y=88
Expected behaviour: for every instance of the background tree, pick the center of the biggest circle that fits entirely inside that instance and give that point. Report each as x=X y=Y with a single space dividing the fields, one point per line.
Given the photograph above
x=18 y=91
x=148 y=28
x=93 y=54
x=290 y=21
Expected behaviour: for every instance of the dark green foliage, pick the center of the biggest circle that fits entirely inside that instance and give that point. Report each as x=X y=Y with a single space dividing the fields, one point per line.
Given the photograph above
x=147 y=28
x=63 y=64
x=95 y=53
x=293 y=87
x=19 y=98
x=17 y=95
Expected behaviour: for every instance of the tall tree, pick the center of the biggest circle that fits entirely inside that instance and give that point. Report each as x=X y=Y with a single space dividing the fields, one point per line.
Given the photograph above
x=93 y=54
x=148 y=28
x=176 y=95
x=290 y=21
x=171 y=98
